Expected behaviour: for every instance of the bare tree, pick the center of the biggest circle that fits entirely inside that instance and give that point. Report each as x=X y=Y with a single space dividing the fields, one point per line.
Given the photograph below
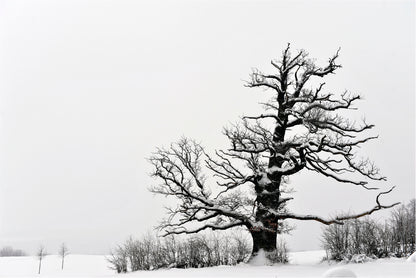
x=302 y=129
x=63 y=252
x=41 y=254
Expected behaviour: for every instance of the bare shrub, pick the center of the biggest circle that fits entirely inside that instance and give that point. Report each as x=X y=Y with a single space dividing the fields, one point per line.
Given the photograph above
x=280 y=254
x=241 y=248
x=335 y=242
x=403 y=229
x=118 y=260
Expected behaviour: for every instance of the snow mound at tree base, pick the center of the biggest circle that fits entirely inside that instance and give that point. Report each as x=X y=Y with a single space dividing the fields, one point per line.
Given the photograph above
x=412 y=258
x=339 y=272
x=260 y=259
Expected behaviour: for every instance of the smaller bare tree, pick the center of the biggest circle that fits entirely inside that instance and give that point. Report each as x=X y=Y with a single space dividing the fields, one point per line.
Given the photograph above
x=41 y=254
x=63 y=252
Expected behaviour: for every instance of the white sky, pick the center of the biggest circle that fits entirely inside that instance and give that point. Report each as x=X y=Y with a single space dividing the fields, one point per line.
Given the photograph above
x=88 y=89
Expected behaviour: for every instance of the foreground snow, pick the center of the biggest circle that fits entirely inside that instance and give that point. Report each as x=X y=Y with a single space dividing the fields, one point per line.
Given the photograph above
x=412 y=258
x=302 y=264
x=340 y=272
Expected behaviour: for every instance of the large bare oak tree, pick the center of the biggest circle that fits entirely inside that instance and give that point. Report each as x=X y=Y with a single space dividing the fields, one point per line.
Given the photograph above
x=301 y=129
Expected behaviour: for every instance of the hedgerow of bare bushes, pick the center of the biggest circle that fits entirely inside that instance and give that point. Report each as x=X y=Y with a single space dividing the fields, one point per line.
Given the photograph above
x=359 y=240
x=151 y=252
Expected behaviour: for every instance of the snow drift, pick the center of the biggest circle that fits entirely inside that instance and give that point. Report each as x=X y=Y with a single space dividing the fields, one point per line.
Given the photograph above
x=339 y=272
x=412 y=258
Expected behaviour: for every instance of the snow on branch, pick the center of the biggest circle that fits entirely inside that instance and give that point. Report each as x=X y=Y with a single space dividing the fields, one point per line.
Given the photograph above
x=250 y=138
x=179 y=169
x=314 y=110
x=342 y=218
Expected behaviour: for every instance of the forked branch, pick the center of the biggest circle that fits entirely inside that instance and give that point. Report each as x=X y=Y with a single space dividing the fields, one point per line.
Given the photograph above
x=340 y=219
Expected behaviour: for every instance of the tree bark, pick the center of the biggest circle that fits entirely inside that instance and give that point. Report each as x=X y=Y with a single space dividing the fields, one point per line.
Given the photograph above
x=268 y=196
x=262 y=239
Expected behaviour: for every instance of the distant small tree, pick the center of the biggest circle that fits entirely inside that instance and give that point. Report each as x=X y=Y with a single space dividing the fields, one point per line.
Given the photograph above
x=41 y=254
x=63 y=252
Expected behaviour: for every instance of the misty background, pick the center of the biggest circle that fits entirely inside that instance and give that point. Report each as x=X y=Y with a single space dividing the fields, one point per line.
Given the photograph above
x=89 y=89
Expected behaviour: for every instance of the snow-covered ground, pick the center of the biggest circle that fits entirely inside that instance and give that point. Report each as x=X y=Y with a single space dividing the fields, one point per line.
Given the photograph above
x=302 y=264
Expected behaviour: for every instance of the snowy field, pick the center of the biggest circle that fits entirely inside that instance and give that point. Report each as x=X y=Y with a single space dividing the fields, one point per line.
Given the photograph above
x=302 y=264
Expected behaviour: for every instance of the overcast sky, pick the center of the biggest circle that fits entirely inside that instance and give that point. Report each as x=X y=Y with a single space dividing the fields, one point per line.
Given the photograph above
x=88 y=89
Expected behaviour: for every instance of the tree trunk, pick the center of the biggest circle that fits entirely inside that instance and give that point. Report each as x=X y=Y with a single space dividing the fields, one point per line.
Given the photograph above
x=40 y=265
x=268 y=197
x=263 y=239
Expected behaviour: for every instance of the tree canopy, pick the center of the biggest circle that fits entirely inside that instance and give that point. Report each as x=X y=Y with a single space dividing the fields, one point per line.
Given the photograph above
x=302 y=129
